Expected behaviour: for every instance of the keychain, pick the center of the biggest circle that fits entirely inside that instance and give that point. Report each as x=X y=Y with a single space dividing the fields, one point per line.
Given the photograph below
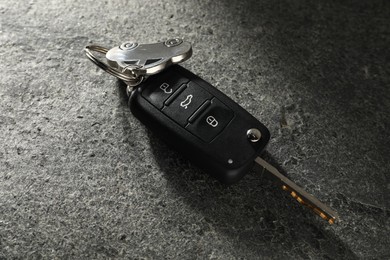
x=192 y=116
x=133 y=62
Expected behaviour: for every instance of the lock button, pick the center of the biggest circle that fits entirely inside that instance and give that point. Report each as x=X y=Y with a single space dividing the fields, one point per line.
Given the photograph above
x=211 y=121
x=186 y=103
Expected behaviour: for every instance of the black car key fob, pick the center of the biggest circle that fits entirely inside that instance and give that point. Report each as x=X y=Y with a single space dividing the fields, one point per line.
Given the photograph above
x=192 y=116
x=201 y=122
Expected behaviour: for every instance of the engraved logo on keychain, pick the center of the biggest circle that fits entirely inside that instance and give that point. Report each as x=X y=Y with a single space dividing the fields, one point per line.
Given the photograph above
x=195 y=118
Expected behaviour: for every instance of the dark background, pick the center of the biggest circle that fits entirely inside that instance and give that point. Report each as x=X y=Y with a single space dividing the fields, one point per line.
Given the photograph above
x=81 y=178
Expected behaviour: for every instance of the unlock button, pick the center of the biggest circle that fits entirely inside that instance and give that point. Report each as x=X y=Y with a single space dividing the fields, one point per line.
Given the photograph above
x=212 y=121
x=160 y=87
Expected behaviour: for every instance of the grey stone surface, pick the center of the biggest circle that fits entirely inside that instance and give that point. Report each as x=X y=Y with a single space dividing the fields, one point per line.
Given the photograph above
x=80 y=178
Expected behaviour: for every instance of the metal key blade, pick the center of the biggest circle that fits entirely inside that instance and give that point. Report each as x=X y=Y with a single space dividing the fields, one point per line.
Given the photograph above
x=299 y=194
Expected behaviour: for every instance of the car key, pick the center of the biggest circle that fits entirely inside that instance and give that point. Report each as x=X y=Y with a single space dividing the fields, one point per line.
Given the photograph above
x=210 y=129
x=198 y=120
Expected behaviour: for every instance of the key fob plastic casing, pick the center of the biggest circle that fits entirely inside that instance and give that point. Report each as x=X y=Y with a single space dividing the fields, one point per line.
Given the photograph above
x=200 y=122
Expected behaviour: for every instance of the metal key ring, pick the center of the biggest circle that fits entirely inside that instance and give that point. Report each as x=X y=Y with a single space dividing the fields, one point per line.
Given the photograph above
x=131 y=80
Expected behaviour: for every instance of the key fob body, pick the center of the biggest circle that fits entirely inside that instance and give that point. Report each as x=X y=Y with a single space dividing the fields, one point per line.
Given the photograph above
x=199 y=121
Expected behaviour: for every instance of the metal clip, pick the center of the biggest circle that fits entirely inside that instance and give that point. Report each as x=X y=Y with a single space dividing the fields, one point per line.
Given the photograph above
x=133 y=62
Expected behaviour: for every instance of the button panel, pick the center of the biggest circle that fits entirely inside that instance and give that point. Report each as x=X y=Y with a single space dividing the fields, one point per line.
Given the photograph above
x=189 y=105
x=212 y=121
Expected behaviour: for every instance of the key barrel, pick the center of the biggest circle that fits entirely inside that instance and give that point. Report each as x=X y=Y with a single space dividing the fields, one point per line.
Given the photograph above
x=200 y=122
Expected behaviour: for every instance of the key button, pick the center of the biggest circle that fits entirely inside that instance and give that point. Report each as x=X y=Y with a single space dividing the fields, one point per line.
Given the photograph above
x=212 y=121
x=160 y=88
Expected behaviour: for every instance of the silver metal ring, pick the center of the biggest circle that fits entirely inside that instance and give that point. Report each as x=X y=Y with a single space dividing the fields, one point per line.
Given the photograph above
x=131 y=80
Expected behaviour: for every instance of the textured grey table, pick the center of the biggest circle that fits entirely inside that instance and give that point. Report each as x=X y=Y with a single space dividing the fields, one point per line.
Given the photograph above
x=80 y=178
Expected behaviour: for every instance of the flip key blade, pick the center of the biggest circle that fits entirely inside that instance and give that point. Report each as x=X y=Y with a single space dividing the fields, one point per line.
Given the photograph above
x=299 y=194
